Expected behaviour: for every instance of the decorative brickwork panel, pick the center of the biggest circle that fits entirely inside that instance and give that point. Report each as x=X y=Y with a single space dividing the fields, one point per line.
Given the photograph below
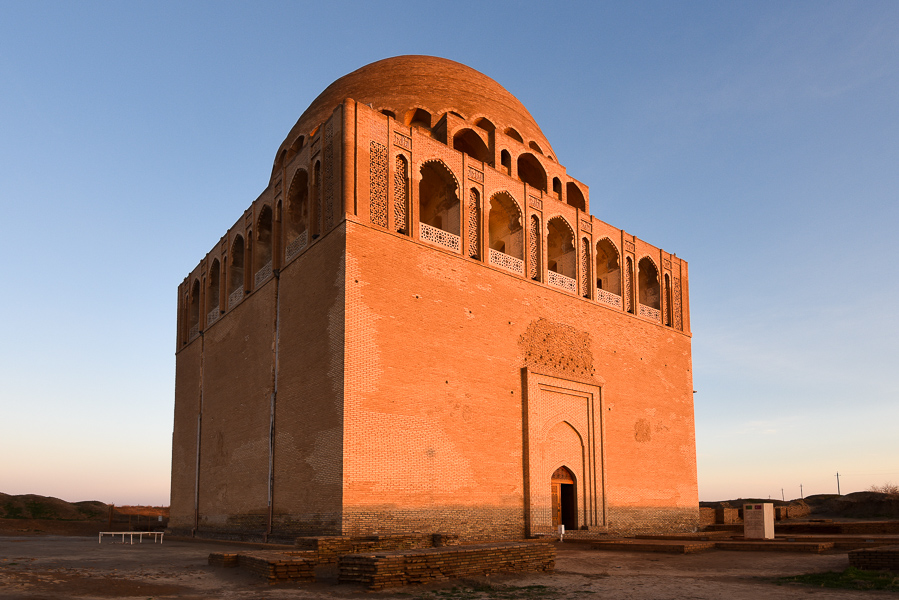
x=549 y=347
x=586 y=226
x=400 y=194
x=629 y=245
x=534 y=248
x=650 y=312
x=609 y=298
x=475 y=175
x=297 y=246
x=213 y=316
x=629 y=284
x=678 y=317
x=562 y=281
x=377 y=169
x=666 y=262
x=439 y=237
x=262 y=274
x=666 y=300
x=474 y=223
x=402 y=141
x=585 y=268
x=329 y=176
x=535 y=203
x=235 y=297
x=194 y=332
x=504 y=261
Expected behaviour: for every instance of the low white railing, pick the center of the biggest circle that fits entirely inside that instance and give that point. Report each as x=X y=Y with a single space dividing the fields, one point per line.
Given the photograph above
x=608 y=298
x=503 y=260
x=194 y=332
x=262 y=274
x=212 y=316
x=562 y=281
x=439 y=237
x=297 y=246
x=235 y=297
x=648 y=311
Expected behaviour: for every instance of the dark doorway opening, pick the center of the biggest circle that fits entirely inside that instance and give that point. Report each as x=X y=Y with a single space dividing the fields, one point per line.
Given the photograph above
x=564 y=499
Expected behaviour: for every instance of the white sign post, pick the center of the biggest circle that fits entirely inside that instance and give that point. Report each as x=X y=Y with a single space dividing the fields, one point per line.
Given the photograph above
x=758 y=521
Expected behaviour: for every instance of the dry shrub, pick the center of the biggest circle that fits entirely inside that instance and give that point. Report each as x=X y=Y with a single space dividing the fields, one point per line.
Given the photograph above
x=890 y=489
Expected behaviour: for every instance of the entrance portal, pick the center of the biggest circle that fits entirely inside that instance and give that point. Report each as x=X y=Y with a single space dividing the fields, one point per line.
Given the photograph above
x=564 y=499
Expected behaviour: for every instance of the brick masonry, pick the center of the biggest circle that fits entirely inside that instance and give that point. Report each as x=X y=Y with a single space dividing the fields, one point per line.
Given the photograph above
x=391 y=569
x=879 y=559
x=371 y=381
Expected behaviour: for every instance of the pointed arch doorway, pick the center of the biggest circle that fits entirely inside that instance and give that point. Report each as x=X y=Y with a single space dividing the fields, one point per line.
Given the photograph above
x=564 y=499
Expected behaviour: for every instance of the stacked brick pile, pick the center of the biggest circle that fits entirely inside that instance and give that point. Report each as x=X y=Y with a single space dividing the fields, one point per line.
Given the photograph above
x=276 y=567
x=392 y=569
x=879 y=559
x=329 y=548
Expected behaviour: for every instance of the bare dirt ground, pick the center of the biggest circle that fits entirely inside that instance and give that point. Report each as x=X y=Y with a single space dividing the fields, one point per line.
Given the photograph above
x=52 y=567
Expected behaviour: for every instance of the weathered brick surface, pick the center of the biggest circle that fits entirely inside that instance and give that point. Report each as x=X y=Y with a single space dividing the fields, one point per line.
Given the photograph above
x=391 y=569
x=327 y=549
x=880 y=559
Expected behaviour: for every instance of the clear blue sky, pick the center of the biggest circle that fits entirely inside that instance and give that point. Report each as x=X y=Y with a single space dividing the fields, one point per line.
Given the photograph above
x=759 y=141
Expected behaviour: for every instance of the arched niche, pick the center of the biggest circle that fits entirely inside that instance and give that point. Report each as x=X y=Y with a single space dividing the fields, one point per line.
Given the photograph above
x=213 y=288
x=531 y=171
x=264 y=226
x=561 y=256
x=648 y=283
x=470 y=143
x=236 y=267
x=506 y=233
x=574 y=196
x=438 y=199
x=297 y=206
x=608 y=267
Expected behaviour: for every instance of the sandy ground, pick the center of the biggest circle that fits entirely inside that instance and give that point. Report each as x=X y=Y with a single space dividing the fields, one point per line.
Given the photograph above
x=56 y=567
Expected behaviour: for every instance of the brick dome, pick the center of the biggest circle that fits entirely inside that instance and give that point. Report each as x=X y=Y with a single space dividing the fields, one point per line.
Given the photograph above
x=402 y=84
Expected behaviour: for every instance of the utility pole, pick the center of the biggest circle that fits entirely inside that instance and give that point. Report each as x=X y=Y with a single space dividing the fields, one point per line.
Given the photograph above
x=838 y=484
x=782 y=495
x=800 y=492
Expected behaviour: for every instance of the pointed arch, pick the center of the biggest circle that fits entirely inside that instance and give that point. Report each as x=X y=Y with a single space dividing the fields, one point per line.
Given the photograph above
x=263 y=246
x=506 y=233
x=561 y=256
x=608 y=272
x=193 y=313
x=213 y=292
x=236 y=271
x=438 y=205
x=297 y=213
x=648 y=283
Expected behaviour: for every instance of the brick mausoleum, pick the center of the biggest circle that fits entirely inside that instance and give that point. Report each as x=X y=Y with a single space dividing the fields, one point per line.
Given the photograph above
x=419 y=326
